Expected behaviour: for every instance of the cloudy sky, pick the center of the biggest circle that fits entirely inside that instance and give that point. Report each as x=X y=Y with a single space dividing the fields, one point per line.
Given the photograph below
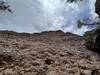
x=43 y=15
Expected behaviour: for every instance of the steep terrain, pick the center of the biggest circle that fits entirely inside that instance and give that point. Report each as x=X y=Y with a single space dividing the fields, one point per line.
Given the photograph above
x=46 y=53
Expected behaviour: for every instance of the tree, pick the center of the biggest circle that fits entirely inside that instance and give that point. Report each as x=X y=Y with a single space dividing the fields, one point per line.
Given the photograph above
x=95 y=24
x=73 y=0
x=5 y=6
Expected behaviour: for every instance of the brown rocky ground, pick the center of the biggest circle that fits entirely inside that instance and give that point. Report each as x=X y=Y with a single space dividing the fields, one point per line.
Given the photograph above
x=46 y=53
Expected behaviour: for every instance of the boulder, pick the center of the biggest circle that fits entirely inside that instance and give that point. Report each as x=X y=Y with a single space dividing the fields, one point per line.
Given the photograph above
x=93 y=40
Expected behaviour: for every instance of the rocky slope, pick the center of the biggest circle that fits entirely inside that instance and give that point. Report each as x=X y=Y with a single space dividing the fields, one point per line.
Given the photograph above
x=46 y=53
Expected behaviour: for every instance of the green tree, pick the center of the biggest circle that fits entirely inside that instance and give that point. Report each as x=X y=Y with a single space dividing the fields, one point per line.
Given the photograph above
x=5 y=6
x=73 y=0
x=95 y=24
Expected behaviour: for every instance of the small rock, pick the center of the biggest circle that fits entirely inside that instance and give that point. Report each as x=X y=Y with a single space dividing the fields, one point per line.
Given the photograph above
x=8 y=72
x=27 y=69
x=1 y=73
x=86 y=72
x=52 y=73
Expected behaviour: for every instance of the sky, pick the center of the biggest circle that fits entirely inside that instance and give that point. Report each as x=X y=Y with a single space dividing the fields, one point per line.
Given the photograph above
x=44 y=15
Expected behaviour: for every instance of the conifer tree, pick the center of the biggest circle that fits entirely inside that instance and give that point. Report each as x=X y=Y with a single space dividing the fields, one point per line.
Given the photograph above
x=4 y=6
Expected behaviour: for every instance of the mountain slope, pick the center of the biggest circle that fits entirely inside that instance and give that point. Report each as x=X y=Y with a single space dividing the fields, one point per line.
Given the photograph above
x=46 y=53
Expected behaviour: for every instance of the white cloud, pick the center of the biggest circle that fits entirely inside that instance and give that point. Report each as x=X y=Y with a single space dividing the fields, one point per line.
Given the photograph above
x=42 y=15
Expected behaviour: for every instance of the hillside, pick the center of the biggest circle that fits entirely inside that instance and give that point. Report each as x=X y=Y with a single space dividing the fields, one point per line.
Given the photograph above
x=46 y=53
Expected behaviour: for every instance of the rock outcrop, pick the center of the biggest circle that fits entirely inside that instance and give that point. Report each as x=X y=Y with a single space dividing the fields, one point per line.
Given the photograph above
x=93 y=40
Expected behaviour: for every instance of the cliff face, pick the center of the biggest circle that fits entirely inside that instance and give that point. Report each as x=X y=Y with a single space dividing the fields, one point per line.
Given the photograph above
x=97 y=6
x=46 y=53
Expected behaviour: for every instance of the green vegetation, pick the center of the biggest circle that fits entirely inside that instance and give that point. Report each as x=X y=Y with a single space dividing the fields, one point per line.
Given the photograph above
x=73 y=0
x=85 y=22
x=5 y=6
